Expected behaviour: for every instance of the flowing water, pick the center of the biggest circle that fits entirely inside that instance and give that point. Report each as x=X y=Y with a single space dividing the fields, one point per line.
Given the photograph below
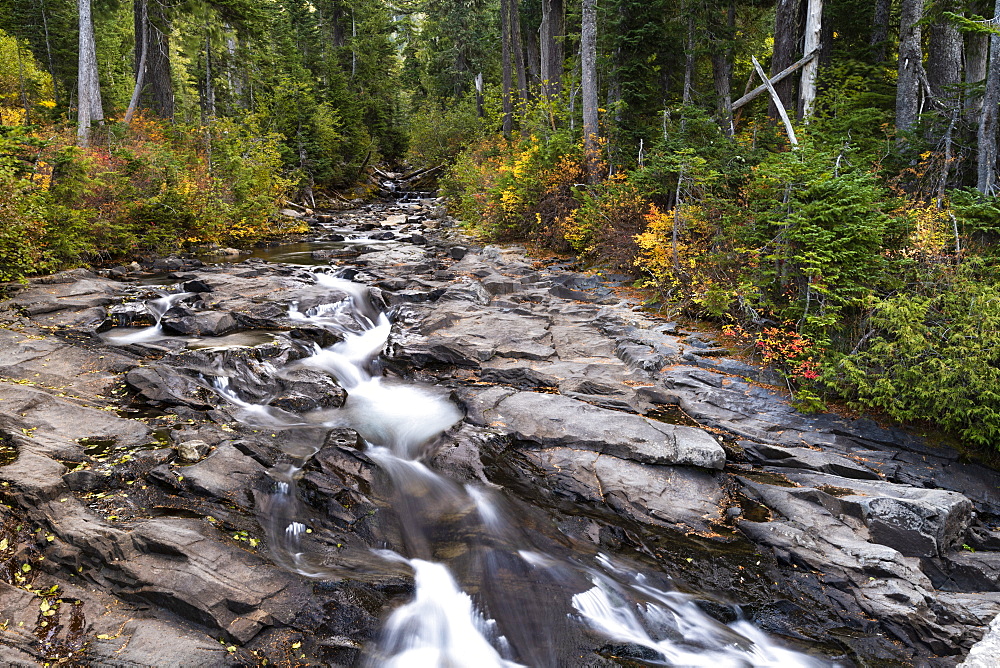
x=489 y=590
x=156 y=308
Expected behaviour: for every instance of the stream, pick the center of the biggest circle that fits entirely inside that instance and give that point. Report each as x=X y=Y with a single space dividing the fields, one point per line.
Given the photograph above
x=443 y=625
x=384 y=445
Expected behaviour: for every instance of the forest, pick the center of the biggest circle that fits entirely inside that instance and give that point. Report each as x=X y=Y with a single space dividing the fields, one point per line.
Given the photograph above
x=837 y=220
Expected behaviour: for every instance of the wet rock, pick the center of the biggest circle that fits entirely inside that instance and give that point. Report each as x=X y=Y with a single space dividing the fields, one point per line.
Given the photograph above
x=210 y=323
x=467 y=290
x=85 y=480
x=972 y=571
x=179 y=566
x=406 y=254
x=640 y=356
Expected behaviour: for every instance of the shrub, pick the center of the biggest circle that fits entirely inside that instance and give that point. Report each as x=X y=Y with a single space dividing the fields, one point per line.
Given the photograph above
x=934 y=357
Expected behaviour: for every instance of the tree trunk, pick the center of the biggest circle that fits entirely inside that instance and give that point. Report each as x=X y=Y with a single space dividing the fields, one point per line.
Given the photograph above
x=517 y=48
x=48 y=52
x=337 y=20
x=987 y=158
x=944 y=63
x=20 y=83
x=910 y=65
x=157 y=93
x=233 y=76
x=722 y=71
x=687 y=94
x=977 y=48
x=786 y=48
x=209 y=84
x=507 y=76
x=533 y=47
x=551 y=35
x=89 y=105
x=479 y=96
x=880 y=30
x=813 y=29
x=140 y=68
x=588 y=63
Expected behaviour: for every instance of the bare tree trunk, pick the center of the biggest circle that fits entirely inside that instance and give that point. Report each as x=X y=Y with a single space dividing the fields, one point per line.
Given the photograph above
x=977 y=49
x=532 y=46
x=48 y=52
x=786 y=48
x=987 y=158
x=505 y=41
x=209 y=84
x=517 y=49
x=479 y=95
x=20 y=83
x=910 y=65
x=337 y=20
x=813 y=29
x=233 y=77
x=90 y=109
x=722 y=72
x=687 y=93
x=944 y=62
x=157 y=93
x=880 y=29
x=140 y=69
x=551 y=34
x=588 y=62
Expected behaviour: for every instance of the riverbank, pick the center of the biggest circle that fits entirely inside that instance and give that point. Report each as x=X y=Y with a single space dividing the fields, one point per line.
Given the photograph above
x=134 y=490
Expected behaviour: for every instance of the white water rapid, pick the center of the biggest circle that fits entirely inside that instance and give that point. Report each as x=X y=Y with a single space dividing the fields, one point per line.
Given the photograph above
x=488 y=590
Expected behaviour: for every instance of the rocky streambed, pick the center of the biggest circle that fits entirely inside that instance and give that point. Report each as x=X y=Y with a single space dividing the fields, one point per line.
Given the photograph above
x=148 y=416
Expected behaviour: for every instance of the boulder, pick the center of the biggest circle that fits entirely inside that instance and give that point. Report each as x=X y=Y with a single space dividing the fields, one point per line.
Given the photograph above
x=192 y=451
x=916 y=522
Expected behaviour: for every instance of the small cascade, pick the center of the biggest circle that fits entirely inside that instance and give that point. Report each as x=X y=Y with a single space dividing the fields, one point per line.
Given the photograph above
x=671 y=625
x=439 y=627
x=508 y=596
x=157 y=308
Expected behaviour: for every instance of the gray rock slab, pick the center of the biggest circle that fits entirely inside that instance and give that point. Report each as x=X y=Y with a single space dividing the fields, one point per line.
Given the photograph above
x=804 y=458
x=404 y=254
x=553 y=420
x=54 y=364
x=662 y=494
x=986 y=652
x=179 y=566
x=54 y=423
x=227 y=473
x=916 y=521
